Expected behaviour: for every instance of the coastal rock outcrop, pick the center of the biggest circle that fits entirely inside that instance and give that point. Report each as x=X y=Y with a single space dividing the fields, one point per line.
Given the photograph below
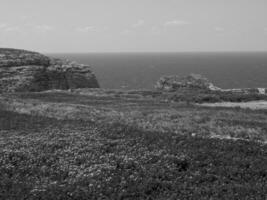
x=22 y=70
x=198 y=82
x=192 y=81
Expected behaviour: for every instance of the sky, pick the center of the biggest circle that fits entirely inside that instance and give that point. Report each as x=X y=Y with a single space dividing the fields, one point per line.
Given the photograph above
x=52 y=26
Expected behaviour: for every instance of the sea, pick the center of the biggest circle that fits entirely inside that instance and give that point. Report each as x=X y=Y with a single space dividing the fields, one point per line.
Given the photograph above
x=142 y=70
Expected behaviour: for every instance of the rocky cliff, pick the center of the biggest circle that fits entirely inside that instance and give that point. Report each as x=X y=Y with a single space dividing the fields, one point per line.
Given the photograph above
x=22 y=70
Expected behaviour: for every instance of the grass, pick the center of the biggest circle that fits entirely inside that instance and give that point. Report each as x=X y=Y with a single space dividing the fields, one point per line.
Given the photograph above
x=180 y=95
x=206 y=96
x=151 y=114
x=150 y=154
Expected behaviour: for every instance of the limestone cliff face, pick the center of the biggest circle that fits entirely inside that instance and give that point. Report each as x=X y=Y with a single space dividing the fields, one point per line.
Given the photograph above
x=22 y=70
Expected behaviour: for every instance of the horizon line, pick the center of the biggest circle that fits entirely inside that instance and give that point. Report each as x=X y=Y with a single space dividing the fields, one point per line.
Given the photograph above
x=144 y=52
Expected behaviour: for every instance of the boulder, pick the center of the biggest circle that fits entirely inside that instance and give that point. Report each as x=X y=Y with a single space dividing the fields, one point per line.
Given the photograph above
x=22 y=70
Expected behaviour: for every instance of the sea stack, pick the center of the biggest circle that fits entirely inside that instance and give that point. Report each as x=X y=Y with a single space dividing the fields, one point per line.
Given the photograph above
x=22 y=70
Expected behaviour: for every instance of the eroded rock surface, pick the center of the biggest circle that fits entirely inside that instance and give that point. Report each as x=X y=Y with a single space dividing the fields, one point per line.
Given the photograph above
x=22 y=70
x=199 y=82
x=192 y=81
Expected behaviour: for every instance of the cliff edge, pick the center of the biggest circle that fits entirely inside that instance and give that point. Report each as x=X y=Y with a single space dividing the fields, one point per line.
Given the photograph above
x=22 y=70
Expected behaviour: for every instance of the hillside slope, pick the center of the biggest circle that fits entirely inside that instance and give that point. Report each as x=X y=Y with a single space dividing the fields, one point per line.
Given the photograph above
x=97 y=144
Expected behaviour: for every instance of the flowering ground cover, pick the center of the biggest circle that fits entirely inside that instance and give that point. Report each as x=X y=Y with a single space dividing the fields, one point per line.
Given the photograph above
x=140 y=109
x=154 y=150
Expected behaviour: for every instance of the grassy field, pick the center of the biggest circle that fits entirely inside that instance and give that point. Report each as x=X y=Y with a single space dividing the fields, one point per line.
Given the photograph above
x=117 y=145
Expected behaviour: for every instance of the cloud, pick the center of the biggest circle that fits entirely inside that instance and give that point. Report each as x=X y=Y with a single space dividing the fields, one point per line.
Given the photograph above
x=86 y=29
x=105 y=28
x=8 y=28
x=126 y=32
x=176 y=23
x=155 y=30
x=219 y=29
x=12 y=29
x=3 y=26
x=25 y=28
x=43 y=28
x=140 y=23
x=265 y=29
x=25 y=17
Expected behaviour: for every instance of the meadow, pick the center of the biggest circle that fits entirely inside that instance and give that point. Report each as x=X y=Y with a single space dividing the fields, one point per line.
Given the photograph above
x=112 y=144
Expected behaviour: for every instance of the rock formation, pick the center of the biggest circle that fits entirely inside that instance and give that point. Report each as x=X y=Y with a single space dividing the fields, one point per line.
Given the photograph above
x=192 y=81
x=22 y=70
x=196 y=81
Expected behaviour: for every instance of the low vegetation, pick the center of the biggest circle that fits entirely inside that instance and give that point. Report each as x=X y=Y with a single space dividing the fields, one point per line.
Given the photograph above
x=205 y=96
x=153 y=150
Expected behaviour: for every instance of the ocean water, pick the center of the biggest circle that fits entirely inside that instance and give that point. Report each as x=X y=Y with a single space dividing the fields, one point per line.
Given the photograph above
x=142 y=70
